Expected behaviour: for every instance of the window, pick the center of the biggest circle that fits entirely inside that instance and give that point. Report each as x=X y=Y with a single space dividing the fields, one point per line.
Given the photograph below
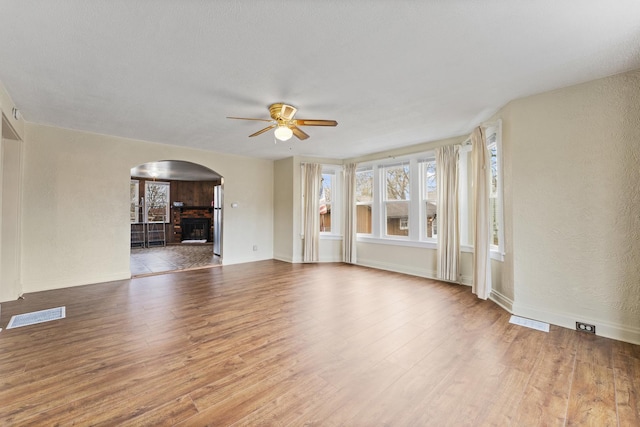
x=134 y=193
x=157 y=201
x=429 y=198
x=495 y=190
x=326 y=192
x=493 y=140
x=364 y=199
x=397 y=197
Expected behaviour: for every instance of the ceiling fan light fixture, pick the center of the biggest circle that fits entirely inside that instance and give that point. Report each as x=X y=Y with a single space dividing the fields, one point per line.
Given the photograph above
x=283 y=133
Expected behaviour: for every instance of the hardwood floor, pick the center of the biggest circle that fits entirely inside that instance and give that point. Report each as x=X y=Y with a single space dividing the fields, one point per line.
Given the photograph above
x=271 y=343
x=161 y=259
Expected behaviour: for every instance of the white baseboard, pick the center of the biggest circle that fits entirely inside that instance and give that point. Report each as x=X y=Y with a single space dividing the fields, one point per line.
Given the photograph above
x=398 y=268
x=283 y=258
x=568 y=320
x=501 y=300
x=69 y=282
x=466 y=280
x=231 y=261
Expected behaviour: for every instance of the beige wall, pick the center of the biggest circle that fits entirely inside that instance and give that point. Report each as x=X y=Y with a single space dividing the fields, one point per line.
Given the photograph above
x=10 y=238
x=573 y=185
x=75 y=210
x=283 y=212
x=11 y=131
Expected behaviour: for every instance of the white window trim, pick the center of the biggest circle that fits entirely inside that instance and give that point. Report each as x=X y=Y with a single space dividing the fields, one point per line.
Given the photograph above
x=416 y=212
x=336 y=202
x=366 y=169
x=137 y=204
x=497 y=252
x=385 y=200
x=423 y=198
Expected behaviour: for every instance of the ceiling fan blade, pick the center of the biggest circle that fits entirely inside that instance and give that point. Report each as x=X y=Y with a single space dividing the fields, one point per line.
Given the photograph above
x=299 y=133
x=262 y=131
x=288 y=112
x=245 y=118
x=306 y=122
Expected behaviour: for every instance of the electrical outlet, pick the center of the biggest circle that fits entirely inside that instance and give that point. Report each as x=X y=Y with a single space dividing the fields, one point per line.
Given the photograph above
x=255 y=248
x=585 y=327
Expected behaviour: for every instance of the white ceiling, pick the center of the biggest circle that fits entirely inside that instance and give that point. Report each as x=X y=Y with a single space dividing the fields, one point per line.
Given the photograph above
x=392 y=73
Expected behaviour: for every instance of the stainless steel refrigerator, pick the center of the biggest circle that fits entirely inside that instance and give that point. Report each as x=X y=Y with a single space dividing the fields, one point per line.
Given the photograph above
x=217 y=218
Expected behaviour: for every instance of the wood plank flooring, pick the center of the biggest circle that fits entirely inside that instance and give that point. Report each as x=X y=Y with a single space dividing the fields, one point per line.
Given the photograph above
x=277 y=344
x=162 y=259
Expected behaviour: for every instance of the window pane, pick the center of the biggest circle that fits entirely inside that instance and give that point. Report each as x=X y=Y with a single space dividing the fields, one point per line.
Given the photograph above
x=325 y=203
x=134 y=196
x=397 y=218
x=432 y=226
x=363 y=219
x=493 y=195
x=157 y=196
x=493 y=150
x=430 y=199
x=493 y=211
x=397 y=178
x=364 y=186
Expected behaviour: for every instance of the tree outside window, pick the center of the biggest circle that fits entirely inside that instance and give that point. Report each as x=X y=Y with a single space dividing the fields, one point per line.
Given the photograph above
x=134 y=193
x=157 y=201
x=397 y=200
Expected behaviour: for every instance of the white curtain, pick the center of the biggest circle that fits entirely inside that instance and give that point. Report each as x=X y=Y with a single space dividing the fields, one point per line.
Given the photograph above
x=482 y=220
x=448 y=234
x=349 y=240
x=312 y=175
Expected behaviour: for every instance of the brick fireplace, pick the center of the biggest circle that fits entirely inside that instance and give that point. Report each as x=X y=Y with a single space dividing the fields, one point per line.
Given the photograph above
x=192 y=223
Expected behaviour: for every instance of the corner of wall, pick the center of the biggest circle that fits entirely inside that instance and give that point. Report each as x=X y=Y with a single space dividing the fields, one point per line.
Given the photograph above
x=14 y=122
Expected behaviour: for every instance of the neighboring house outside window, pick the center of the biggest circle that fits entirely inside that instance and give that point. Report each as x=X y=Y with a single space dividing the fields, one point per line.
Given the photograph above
x=396 y=200
x=429 y=198
x=364 y=199
x=326 y=191
x=330 y=201
x=397 y=197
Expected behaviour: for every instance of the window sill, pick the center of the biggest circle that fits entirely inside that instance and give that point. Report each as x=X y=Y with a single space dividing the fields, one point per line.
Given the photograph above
x=493 y=254
x=330 y=236
x=397 y=242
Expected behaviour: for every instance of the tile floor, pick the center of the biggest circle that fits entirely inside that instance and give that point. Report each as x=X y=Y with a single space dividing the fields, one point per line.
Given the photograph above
x=171 y=258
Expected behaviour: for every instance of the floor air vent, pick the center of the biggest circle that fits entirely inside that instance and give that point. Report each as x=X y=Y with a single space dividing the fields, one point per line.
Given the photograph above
x=36 y=317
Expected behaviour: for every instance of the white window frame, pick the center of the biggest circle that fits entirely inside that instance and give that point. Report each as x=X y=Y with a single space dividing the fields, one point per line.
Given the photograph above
x=136 y=205
x=494 y=138
x=465 y=197
x=423 y=197
x=370 y=204
x=336 y=201
x=146 y=207
x=378 y=211
x=386 y=201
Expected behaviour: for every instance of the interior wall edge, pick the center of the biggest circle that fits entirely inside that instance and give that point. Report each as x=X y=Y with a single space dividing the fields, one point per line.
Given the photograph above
x=501 y=300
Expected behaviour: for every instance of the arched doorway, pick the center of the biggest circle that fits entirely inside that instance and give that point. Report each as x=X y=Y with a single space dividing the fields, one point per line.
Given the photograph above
x=176 y=217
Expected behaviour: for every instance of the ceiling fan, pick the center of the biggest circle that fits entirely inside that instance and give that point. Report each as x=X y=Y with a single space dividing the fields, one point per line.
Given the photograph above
x=284 y=124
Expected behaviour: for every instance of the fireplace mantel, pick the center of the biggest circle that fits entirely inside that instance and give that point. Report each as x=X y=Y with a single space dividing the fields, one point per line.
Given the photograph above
x=183 y=208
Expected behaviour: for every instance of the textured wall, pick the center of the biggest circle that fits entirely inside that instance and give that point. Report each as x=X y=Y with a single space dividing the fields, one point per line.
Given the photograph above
x=575 y=200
